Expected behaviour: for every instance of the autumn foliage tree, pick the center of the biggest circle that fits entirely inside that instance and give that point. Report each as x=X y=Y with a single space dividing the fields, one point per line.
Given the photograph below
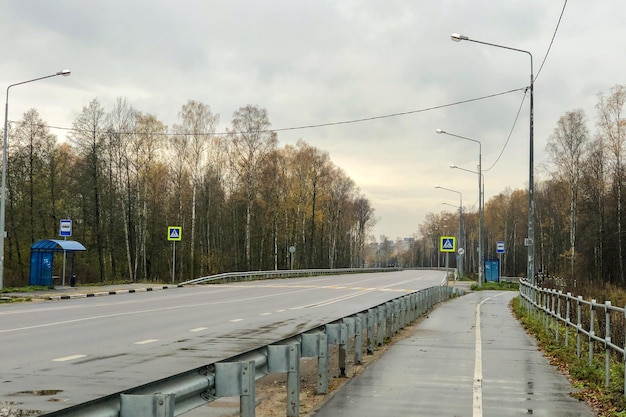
x=124 y=176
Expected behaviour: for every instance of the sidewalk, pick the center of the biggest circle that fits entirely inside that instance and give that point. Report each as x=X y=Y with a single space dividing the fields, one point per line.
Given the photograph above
x=460 y=363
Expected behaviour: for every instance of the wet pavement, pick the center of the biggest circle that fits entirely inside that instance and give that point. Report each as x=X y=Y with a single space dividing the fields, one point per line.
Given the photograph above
x=469 y=357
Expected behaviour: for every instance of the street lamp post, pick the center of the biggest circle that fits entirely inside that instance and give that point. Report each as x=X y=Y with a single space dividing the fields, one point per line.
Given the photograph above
x=480 y=204
x=530 y=242
x=460 y=236
x=3 y=186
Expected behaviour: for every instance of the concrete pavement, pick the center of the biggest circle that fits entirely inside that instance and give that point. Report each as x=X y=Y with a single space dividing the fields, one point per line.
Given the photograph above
x=469 y=358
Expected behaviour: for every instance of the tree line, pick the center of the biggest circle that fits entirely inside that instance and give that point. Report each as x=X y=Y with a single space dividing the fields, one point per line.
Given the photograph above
x=580 y=221
x=123 y=177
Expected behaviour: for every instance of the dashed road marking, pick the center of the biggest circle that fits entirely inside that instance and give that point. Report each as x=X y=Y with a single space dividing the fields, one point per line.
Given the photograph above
x=147 y=341
x=198 y=329
x=235 y=320
x=68 y=358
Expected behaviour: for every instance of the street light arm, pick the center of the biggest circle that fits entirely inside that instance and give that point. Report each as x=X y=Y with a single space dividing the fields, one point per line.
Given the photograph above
x=439 y=131
x=458 y=38
x=64 y=73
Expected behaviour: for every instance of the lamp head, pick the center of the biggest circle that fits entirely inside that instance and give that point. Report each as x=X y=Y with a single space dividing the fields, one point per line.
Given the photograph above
x=437 y=186
x=439 y=131
x=458 y=38
x=453 y=166
x=64 y=73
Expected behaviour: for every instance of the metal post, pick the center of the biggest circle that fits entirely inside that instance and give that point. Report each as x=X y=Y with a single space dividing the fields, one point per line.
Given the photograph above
x=3 y=185
x=173 y=261
x=530 y=242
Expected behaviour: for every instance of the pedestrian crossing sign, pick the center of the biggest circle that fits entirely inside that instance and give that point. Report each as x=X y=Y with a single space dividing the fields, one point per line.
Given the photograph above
x=174 y=233
x=447 y=244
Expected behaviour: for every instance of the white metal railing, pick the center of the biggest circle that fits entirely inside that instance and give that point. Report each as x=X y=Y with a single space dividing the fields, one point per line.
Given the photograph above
x=590 y=321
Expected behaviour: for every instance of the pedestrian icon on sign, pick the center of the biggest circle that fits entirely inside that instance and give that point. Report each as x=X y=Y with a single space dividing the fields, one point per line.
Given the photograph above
x=174 y=233
x=447 y=244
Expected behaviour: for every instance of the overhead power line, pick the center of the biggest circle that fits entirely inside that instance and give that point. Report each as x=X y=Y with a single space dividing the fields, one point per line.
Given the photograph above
x=314 y=126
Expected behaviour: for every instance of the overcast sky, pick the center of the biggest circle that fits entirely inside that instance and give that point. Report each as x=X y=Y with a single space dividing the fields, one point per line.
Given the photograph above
x=312 y=62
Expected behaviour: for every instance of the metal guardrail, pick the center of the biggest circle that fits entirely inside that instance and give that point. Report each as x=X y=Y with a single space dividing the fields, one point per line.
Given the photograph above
x=555 y=308
x=236 y=376
x=281 y=273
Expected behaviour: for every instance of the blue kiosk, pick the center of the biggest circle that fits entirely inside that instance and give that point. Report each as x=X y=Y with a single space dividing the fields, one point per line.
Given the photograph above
x=42 y=259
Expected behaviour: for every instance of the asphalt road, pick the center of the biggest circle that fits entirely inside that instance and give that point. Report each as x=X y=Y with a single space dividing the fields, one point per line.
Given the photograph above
x=60 y=353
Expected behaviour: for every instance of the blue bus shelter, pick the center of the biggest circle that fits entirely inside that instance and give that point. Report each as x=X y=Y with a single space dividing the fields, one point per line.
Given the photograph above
x=42 y=259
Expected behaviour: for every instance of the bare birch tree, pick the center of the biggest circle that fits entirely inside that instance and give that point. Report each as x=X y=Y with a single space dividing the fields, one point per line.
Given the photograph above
x=612 y=127
x=251 y=142
x=196 y=130
x=567 y=148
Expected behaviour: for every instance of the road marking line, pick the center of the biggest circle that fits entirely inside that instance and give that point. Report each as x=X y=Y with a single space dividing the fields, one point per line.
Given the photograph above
x=478 y=363
x=68 y=358
x=235 y=320
x=198 y=329
x=145 y=342
x=266 y=314
x=280 y=311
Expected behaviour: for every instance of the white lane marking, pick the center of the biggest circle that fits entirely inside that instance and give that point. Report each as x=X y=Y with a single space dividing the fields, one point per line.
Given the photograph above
x=68 y=358
x=478 y=363
x=147 y=341
x=151 y=310
x=198 y=329
x=266 y=314
x=281 y=311
x=332 y=300
x=235 y=320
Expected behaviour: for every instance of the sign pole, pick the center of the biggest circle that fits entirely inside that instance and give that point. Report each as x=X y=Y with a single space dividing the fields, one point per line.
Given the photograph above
x=64 y=261
x=65 y=230
x=173 y=260
x=174 y=233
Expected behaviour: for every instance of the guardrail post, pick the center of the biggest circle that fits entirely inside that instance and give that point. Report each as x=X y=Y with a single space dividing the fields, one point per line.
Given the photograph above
x=234 y=379
x=316 y=345
x=350 y=323
x=412 y=308
x=358 y=338
x=389 y=313
x=286 y=358
x=371 y=314
x=151 y=405
x=322 y=365
x=380 y=318
x=337 y=335
x=395 y=316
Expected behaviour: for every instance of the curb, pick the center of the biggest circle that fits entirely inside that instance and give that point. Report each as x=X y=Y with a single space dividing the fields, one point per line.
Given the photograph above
x=104 y=293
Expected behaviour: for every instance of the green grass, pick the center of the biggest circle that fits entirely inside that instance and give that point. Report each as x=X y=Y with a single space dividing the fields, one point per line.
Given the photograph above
x=30 y=288
x=498 y=286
